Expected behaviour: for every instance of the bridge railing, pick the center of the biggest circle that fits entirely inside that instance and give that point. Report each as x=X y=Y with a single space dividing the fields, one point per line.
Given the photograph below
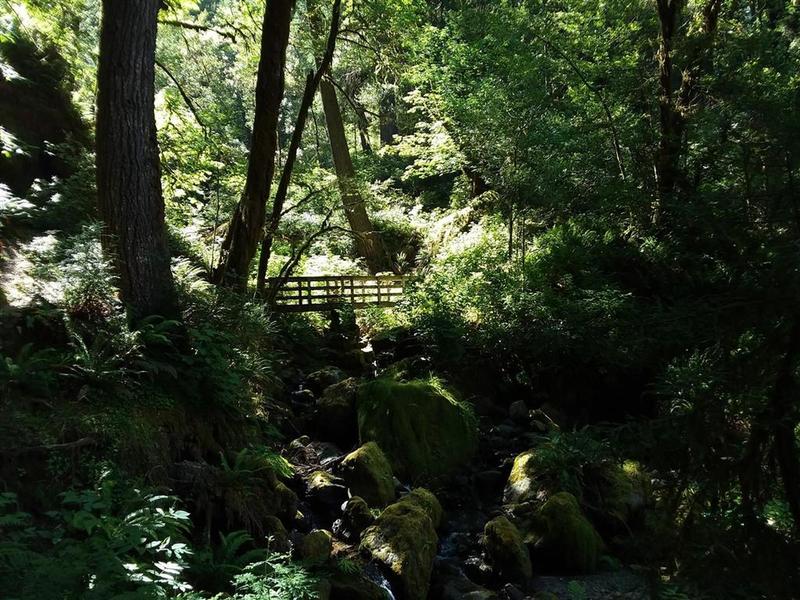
x=328 y=292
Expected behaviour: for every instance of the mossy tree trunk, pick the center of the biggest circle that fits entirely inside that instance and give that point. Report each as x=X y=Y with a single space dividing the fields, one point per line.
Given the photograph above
x=368 y=241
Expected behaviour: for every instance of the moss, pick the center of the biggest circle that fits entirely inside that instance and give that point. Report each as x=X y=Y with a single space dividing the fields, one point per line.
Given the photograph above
x=316 y=546
x=422 y=427
x=567 y=535
x=404 y=540
x=275 y=532
x=521 y=485
x=506 y=550
x=368 y=474
x=427 y=502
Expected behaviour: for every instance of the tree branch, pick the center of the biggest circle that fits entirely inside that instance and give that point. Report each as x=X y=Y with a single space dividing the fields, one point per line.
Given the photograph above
x=187 y=100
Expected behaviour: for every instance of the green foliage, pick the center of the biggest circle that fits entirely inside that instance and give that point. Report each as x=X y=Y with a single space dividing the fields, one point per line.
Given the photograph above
x=423 y=428
x=100 y=543
x=213 y=569
x=276 y=578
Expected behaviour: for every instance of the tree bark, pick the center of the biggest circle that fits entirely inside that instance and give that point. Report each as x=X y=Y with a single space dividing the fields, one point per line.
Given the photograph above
x=246 y=227
x=368 y=241
x=312 y=83
x=674 y=106
x=128 y=167
x=388 y=116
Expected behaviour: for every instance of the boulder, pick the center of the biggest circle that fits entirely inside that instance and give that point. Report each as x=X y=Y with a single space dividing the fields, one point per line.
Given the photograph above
x=450 y=583
x=506 y=550
x=368 y=474
x=326 y=489
x=346 y=586
x=316 y=546
x=276 y=534
x=356 y=517
x=420 y=425
x=335 y=419
x=564 y=537
x=403 y=539
x=319 y=381
x=522 y=484
x=617 y=495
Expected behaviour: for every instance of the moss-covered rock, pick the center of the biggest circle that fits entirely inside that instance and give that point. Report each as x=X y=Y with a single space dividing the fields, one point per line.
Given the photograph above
x=404 y=540
x=346 y=586
x=368 y=474
x=326 y=489
x=424 y=430
x=506 y=550
x=356 y=517
x=276 y=534
x=335 y=419
x=427 y=502
x=617 y=495
x=316 y=546
x=522 y=485
x=565 y=536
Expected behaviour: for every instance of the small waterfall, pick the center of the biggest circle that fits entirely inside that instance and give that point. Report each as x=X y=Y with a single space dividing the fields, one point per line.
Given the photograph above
x=374 y=574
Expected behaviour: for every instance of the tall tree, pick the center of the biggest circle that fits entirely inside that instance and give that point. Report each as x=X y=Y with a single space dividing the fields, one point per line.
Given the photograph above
x=247 y=224
x=369 y=243
x=676 y=104
x=128 y=167
x=312 y=83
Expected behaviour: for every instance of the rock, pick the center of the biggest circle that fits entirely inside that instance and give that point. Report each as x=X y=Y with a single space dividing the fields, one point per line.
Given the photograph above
x=423 y=429
x=617 y=494
x=511 y=592
x=299 y=443
x=478 y=570
x=278 y=537
x=506 y=550
x=302 y=398
x=356 y=517
x=544 y=596
x=322 y=590
x=566 y=538
x=403 y=539
x=368 y=474
x=316 y=546
x=522 y=485
x=387 y=339
x=450 y=583
x=428 y=502
x=326 y=489
x=335 y=420
x=354 y=587
x=320 y=380
x=356 y=361
x=518 y=412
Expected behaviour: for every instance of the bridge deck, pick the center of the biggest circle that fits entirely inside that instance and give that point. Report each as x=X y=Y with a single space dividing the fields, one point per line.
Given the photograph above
x=329 y=292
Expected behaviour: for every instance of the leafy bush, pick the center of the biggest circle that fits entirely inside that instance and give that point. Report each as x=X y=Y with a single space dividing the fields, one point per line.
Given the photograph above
x=102 y=543
x=276 y=578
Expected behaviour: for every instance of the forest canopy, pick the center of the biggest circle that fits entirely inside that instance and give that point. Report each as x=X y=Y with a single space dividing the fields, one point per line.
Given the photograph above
x=573 y=369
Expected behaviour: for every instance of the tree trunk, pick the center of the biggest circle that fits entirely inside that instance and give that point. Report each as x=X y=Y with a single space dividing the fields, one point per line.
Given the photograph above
x=675 y=106
x=128 y=168
x=670 y=120
x=246 y=226
x=388 y=116
x=368 y=241
x=312 y=83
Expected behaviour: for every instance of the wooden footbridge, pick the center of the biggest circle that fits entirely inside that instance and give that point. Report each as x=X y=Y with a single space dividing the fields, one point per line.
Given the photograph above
x=329 y=292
